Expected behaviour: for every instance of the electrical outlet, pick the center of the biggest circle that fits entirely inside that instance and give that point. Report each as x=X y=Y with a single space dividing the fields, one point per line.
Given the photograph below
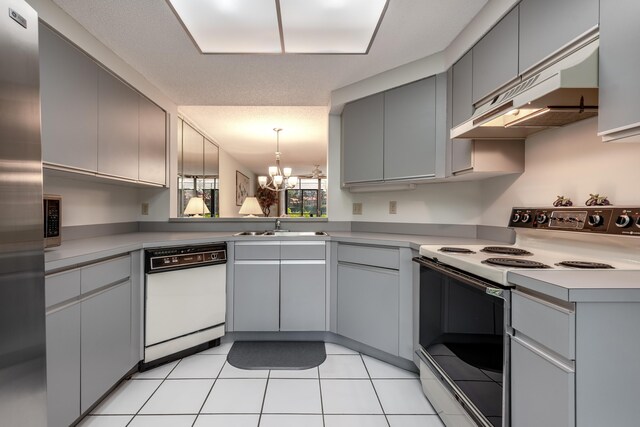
x=144 y=209
x=393 y=207
x=357 y=208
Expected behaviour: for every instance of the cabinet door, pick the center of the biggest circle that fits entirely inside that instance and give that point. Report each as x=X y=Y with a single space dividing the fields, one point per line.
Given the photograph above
x=619 y=64
x=117 y=127
x=542 y=390
x=105 y=342
x=362 y=140
x=192 y=152
x=495 y=57
x=302 y=295
x=152 y=140
x=410 y=130
x=256 y=296
x=69 y=103
x=63 y=366
x=462 y=93
x=368 y=306
x=548 y=25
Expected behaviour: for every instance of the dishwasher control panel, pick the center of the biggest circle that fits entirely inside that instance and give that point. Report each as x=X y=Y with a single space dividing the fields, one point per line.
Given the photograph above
x=178 y=257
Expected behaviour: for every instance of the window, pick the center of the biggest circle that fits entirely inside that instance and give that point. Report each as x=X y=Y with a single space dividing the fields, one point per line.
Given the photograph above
x=308 y=199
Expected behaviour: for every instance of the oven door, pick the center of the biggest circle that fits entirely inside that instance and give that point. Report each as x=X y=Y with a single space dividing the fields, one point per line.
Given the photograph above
x=463 y=342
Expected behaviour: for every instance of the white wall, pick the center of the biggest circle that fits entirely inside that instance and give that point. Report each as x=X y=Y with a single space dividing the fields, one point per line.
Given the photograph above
x=86 y=202
x=162 y=202
x=228 y=167
x=570 y=161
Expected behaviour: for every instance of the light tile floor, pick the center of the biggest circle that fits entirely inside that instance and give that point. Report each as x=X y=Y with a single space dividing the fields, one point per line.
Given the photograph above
x=203 y=390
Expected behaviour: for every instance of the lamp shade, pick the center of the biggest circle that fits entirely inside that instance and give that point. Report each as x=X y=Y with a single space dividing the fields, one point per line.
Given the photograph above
x=196 y=207
x=250 y=207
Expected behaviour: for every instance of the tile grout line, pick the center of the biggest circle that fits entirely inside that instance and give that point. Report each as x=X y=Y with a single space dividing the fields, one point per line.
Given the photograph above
x=375 y=391
x=320 y=385
x=264 y=398
x=154 y=392
x=209 y=393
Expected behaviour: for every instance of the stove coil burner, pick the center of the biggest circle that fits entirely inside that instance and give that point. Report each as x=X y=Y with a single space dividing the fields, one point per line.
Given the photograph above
x=452 y=250
x=583 y=264
x=505 y=250
x=515 y=262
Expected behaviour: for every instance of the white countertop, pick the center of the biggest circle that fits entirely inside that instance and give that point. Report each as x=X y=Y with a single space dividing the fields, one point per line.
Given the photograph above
x=581 y=285
x=82 y=251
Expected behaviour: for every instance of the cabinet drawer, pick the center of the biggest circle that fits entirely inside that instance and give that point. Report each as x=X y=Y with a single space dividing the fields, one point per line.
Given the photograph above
x=257 y=250
x=369 y=255
x=302 y=250
x=550 y=325
x=105 y=273
x=61 y=287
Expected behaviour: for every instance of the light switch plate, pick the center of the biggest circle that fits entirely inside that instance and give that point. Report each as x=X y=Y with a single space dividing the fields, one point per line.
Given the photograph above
x=393 y=207
x=144 y=209
x=357 y=209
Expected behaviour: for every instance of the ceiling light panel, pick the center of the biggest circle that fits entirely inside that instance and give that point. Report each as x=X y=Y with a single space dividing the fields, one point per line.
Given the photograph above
x=330 y=26
x=231 y=26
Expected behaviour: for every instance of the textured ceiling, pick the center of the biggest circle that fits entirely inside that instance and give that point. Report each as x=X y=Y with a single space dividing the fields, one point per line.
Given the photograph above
x=149 y=37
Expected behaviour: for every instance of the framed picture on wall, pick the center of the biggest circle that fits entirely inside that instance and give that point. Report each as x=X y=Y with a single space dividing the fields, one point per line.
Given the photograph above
x=242 y=187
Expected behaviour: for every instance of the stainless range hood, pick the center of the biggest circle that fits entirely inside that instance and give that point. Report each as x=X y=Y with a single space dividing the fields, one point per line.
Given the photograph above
x=564 y=92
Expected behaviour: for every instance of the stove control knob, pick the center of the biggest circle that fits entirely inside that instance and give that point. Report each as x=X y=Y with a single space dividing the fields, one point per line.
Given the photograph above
x=623 y=221
x=541 y=218
x=638 y=222
x=515 y=217
x=594 y=220
x=525 y=217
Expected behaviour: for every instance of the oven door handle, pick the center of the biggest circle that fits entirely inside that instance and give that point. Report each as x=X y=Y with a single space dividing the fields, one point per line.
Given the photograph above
x=461 y=276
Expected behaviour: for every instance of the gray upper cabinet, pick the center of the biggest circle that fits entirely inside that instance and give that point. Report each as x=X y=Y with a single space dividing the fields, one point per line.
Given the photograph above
x=192 y=152
x=410 y=130
x=495 y=57
x=548 y=25
x=69 y=94
x=117 y=127
x=152 y=142
x=362 y=140
x=619 y=58
x=462 y=91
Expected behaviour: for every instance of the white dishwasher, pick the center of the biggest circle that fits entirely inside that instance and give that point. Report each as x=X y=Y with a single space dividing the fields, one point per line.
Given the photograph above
x=185 y=298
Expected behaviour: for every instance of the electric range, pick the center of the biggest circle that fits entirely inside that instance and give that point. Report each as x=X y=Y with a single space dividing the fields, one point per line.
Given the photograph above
x=552 y=238
x=465 y=301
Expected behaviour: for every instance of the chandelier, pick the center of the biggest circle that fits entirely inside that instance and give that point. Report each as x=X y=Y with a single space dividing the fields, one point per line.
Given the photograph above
x=278 y=179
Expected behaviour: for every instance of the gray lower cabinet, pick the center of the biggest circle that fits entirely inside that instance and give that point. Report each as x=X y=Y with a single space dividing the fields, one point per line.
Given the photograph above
x=69 y=103
x=363 y=140
x=302 y=295
x=256 y=296
x=105 y=342
x=152 y=142
x=619 y=61
x=546 y=26
x=63 y=366
x=542 y=388
x=368 y=305
x=410 y=130
x=495 y=57
x=117 y=127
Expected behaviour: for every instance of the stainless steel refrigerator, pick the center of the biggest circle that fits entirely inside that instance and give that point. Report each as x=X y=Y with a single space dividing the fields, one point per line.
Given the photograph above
x=22 y=309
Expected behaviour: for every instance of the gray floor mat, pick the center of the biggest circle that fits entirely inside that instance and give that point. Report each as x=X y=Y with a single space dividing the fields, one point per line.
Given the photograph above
x=276 y=354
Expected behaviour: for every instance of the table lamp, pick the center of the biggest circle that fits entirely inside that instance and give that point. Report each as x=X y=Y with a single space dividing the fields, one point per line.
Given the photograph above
x=196 y=207
x=250 y=208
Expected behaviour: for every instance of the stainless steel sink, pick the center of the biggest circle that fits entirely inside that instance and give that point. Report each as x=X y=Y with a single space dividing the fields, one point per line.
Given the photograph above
x=294 y=233
x=281 y=233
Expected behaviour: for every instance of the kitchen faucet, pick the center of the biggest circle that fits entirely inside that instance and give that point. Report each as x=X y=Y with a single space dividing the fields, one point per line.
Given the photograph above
x=278 y=224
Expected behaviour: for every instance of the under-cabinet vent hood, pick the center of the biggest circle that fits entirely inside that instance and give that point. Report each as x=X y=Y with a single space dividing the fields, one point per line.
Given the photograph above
x=563 y=93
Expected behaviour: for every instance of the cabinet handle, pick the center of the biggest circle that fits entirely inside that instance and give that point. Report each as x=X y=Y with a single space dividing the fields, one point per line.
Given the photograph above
x=567 y=367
